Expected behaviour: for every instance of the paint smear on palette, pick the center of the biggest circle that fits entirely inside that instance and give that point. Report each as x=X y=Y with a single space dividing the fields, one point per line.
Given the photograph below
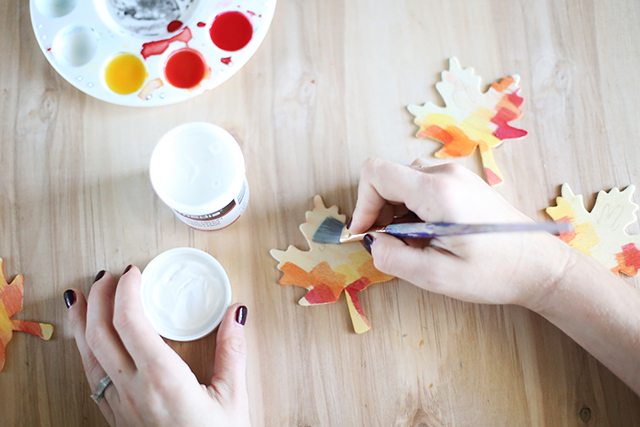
x=148 y=88
x=158 y=47
x=174 y=26
x=185 y=68
x=201 y=24
x=231 y=31
x=125 y=74
x=226 y=60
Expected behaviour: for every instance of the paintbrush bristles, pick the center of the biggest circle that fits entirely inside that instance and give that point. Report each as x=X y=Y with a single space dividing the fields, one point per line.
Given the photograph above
x=329 y=231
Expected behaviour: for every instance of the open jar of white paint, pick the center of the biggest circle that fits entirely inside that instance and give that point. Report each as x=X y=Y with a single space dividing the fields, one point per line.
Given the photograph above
x=185 y=293
x=198 y=170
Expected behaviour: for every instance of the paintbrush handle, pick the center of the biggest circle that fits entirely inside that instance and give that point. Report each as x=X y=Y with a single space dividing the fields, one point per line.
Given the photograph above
x=426 y=230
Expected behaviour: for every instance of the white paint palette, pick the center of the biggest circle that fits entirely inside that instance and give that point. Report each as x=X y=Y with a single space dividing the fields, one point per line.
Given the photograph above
x=147 y=53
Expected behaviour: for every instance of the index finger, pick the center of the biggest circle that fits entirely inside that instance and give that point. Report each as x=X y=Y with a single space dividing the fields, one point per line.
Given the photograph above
x=134 y=328
x=381 y=182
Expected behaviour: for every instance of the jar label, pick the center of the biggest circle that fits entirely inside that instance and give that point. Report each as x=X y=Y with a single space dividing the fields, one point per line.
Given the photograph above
x=219 y=219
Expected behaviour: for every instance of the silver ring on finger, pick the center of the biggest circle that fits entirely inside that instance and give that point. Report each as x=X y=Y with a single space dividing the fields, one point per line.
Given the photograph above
x=103 y=384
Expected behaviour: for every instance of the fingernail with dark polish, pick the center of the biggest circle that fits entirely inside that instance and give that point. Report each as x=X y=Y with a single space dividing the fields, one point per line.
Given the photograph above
x=69 y=297
x=99 y=276
x=241 y=315
x=367 y=241
x=126 y=270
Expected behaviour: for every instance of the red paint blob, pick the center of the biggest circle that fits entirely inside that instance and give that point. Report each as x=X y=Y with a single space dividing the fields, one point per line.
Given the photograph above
x=174 y=26
x=226 y=60
x=201 y=24
x=231 y=31
x=185 y=68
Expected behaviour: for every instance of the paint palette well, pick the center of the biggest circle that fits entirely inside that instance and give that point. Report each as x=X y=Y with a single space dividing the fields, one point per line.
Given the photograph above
x=149 y=52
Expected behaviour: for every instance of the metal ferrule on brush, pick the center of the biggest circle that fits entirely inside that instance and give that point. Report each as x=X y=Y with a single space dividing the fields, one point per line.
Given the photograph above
x=346 y=236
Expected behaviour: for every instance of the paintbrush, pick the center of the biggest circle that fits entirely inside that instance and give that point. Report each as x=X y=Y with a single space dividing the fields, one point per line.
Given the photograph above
x=333 y=231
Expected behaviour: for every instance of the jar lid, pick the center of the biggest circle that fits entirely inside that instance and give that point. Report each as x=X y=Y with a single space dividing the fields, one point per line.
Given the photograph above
x=197 y=168
x=185 y=293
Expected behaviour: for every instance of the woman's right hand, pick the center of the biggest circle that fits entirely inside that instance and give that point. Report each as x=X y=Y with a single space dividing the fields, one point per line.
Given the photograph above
x=509 y=268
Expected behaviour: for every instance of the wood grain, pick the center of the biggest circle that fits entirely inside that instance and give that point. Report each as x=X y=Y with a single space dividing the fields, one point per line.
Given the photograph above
x=326 y=90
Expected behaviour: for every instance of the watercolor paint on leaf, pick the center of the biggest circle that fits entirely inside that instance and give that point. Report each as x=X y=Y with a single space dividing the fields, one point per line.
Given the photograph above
x=471 y=118
x=11 y=298
x=325 y=271
x=602 y=233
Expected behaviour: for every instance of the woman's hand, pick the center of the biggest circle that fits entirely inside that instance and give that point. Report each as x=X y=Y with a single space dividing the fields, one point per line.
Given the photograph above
x=510 y=268
x=151 y=384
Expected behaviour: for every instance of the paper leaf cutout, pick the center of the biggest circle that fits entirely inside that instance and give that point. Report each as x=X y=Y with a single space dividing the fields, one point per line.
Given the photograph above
x=601 y=233
x=470 y=117
x=328 y=270
x=11 y=304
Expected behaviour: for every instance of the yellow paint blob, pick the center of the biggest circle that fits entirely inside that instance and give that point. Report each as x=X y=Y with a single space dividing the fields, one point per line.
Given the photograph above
x=125 y=73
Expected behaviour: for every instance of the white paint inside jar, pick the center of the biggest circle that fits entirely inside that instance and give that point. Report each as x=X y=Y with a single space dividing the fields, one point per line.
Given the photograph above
x=185 y=293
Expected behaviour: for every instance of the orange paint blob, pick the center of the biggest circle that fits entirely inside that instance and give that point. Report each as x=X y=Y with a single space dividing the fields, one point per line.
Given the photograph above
x=125 y=74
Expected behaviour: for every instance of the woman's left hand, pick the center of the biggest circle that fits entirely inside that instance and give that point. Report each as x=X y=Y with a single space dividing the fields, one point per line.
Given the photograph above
x=151 y=384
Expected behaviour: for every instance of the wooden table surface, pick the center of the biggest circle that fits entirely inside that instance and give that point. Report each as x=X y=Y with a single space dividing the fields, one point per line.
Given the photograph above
x=327 y=89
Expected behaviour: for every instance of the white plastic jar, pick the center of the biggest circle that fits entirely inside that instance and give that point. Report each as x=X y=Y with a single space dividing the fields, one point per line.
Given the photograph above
x=198 y=170
x=185 y=293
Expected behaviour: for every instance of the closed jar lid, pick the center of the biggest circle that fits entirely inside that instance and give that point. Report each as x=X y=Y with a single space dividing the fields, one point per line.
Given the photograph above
x=197 y=168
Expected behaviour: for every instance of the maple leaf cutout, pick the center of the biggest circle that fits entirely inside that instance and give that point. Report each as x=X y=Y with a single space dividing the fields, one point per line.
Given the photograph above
x=601 y=233
x=328 y=270
x=11 y=295
x=471 y=118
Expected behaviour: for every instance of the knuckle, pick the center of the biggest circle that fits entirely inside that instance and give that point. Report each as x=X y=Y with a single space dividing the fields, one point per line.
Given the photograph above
x=440 y=184
x=370 y=166
x=123 y=320
x=74 y=322
x=453 y=168
x=382 y=258
x=235 y=345
x=95 y=337
x=94 y=370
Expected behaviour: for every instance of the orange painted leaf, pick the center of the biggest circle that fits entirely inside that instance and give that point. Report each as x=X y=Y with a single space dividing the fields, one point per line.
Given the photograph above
x=11 y=295
x=325 y=271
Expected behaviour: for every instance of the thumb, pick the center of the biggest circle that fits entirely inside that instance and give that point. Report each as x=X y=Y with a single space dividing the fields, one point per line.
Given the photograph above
x=420 y=266
x=230 y=365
